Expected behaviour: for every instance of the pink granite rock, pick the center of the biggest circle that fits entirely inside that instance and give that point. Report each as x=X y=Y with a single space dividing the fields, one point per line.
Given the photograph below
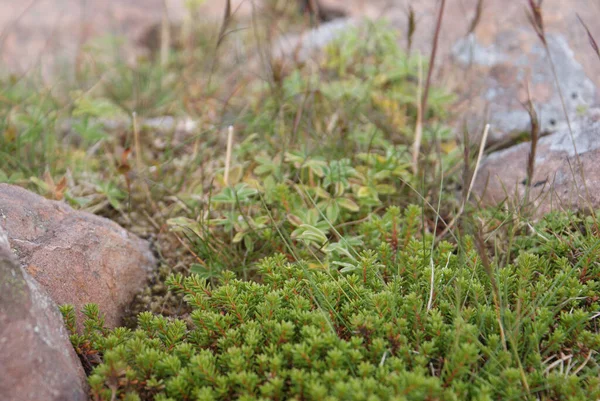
x=51 y=33
x=37 y=361
x=487 y=57
x=566 y=174
x=76 y=257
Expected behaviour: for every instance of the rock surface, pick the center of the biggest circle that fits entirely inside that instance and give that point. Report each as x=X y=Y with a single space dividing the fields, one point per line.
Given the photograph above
x=37 y=361
x=76 y=257
x=492 y=59
x=488 y=64
x=566 y=174
x=50 y=33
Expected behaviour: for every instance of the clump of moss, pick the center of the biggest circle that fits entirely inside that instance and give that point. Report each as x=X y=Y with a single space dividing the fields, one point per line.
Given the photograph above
x=408 y=322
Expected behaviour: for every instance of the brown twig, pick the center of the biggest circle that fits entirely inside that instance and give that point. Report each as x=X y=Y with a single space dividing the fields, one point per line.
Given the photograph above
x=410 y=30
x=434 y=47
x=419 y=125
x=590 y=37
x=476 y=17
x=425 y=96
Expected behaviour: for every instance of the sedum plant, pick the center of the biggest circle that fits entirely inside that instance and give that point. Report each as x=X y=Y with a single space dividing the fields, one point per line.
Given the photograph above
x=405 y=321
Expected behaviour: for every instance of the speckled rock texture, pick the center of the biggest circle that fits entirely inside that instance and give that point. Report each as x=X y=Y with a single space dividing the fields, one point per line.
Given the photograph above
x=76 y=257
x=491 y=58
x=37 y=361
x=566 y=174
x=51 y=33
x=488 y=60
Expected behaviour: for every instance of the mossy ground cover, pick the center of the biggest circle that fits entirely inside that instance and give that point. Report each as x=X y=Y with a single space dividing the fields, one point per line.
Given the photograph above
x=303 y=254
x=390 y=326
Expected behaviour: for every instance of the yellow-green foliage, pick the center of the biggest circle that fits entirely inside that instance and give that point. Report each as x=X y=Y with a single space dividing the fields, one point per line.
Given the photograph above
x=374 y=329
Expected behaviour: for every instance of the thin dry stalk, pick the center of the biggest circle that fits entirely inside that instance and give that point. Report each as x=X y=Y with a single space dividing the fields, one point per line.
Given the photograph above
x=410 y=30
x=165 y=36
x=228 y=154
x=225 y=23
x=438 y=27
x=476 y=17
x=485 y=261
x=535 y=134
x=314 y=11
x=425 y=96
x=136 y=140
x=587 y=359
x=220 y=38
x=590 y=37
x=479 y=157
x=139 y=161
x=467 y=173
x=537 y=21
x=419 y=126
x=432 y=281
x=470 y=189
x=487 y=266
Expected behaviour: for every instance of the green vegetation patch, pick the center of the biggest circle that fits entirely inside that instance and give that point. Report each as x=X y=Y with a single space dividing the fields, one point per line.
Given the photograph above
x=402 y=323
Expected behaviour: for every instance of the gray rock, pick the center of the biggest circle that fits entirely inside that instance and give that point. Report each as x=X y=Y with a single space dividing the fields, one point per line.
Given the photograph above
x=503 y=85
x=566 y=174
x=488 y=68
x=50 y=34
x=303 y=46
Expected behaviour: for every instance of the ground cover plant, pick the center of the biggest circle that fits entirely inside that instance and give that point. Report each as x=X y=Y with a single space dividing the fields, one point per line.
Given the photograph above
x=412 y=323
x=318 y=256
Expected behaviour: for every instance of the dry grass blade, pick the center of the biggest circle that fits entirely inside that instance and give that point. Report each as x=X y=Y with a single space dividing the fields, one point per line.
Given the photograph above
x=438 y=27
x=419 y=125
x=489 y=270
x=535 y=135
x=476 y=17
x=220 y=38
x=424 y=98
x=225 y=24
x=228 y=154
x=467 y=174
x=496 y=295
x=590 y=37
x=314 y=10
x=165 y=36
x=471 y=183
x=536 y=19
x=411 y=28
x=486 y=131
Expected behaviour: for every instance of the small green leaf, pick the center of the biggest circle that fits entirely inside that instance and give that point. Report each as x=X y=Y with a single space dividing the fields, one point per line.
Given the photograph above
x=348 y=204
x=238 y=237
x=309 y=233
x=332 y=211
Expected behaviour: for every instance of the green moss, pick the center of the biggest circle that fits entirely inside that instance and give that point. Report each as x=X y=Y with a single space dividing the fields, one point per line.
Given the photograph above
x=370 y=331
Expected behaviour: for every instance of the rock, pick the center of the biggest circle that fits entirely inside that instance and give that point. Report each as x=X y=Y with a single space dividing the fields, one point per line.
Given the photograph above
x=566 y=174
x=179 y=130
x=76 y=257
x=37 y=361
x=51 y=33
x=300 y=47
x=492 y=59
x=488 y=67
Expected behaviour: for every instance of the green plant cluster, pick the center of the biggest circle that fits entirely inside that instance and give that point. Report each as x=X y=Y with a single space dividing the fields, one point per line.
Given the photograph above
x=328 y=146
x=407 y=321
